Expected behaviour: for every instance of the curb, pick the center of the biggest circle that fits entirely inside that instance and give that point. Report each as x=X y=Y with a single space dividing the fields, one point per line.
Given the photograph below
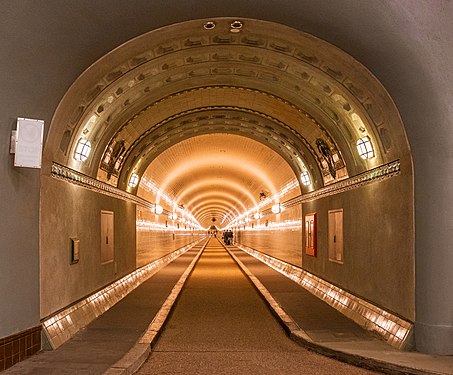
x=138 y=354
x=298 y=335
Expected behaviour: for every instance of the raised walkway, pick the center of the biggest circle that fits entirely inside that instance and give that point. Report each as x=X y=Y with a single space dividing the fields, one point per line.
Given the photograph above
x=219 y=326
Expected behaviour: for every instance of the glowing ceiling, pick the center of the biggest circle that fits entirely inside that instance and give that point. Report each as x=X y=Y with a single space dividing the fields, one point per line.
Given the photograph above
x=217 y=176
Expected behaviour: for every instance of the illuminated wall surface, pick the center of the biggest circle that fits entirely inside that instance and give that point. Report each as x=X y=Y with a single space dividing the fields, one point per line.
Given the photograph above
x=158 y=236
x=280 y=237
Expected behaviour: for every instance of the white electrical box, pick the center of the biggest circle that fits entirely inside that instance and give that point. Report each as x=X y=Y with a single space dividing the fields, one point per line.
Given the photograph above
x=28 y=143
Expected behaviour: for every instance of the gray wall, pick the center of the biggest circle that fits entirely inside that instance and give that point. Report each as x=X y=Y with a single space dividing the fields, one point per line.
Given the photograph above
x=69 y=211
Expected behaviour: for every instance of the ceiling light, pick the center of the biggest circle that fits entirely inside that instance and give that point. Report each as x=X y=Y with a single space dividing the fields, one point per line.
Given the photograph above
x=236 y=26
x=82 y=150
x=276 y=208
x=209 y=25
x=365 y=148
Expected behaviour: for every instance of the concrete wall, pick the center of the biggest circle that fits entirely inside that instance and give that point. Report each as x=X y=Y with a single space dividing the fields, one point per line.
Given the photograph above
x=69 y=211
x=19 y=254
x=378 y=245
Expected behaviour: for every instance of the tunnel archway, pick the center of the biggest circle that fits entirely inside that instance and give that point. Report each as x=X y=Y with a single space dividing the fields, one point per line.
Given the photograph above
x=305 y=99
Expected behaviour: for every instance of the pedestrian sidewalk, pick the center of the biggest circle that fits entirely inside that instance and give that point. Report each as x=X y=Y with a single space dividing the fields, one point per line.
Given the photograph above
x=323 y=329
x=114 y=335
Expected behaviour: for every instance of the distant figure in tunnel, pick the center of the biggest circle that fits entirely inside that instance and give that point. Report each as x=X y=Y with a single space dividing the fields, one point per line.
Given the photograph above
x=228 y=237
x=212 y=231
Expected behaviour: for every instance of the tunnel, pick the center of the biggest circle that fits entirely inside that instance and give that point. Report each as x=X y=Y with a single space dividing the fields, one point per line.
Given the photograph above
x=230 y=124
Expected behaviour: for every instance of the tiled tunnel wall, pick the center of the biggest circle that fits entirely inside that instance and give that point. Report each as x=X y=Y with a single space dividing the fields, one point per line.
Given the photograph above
x=157 y=236
x=279 y=236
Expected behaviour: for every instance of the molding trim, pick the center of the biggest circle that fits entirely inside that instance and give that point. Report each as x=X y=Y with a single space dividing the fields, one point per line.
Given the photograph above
x=376 y=174
x=382 y=172
x=373 y=175
x=63 y=173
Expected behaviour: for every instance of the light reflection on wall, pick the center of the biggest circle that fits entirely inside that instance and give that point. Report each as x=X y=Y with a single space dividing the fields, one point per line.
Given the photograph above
x=270 y=225
x=153 y=226
x=288 y=188
x=391 y=328
x=60 y=327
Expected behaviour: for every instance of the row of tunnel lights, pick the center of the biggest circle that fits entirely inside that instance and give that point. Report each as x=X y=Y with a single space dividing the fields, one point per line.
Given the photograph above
x=366 y=151
x=158 y=210
x=83 y=149
x=364 y=147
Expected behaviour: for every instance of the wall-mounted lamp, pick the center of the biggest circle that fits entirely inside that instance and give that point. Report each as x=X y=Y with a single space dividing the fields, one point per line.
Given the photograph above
x=365 y=148
x=305 y=178
x=133 y=180
x=276 y=208
x=82 y=150
x=173 y=216
x=158 y=209
x=256 y=215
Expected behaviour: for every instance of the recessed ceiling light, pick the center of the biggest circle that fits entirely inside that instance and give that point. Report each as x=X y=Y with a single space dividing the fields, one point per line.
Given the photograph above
x=236 y=26
x=209 y=25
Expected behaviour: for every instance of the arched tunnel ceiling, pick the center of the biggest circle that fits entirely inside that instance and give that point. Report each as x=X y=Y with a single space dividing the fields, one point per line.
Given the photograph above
x=304 y=98
x=217 y=176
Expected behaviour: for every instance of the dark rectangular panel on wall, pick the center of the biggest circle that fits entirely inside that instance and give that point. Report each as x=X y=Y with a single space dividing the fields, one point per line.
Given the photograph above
x=335 y=222
x=107 y=237
x=16 y=348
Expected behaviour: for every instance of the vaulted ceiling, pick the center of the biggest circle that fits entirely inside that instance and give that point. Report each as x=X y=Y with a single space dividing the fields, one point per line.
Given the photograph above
x=249 y=102
x=217 y=176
